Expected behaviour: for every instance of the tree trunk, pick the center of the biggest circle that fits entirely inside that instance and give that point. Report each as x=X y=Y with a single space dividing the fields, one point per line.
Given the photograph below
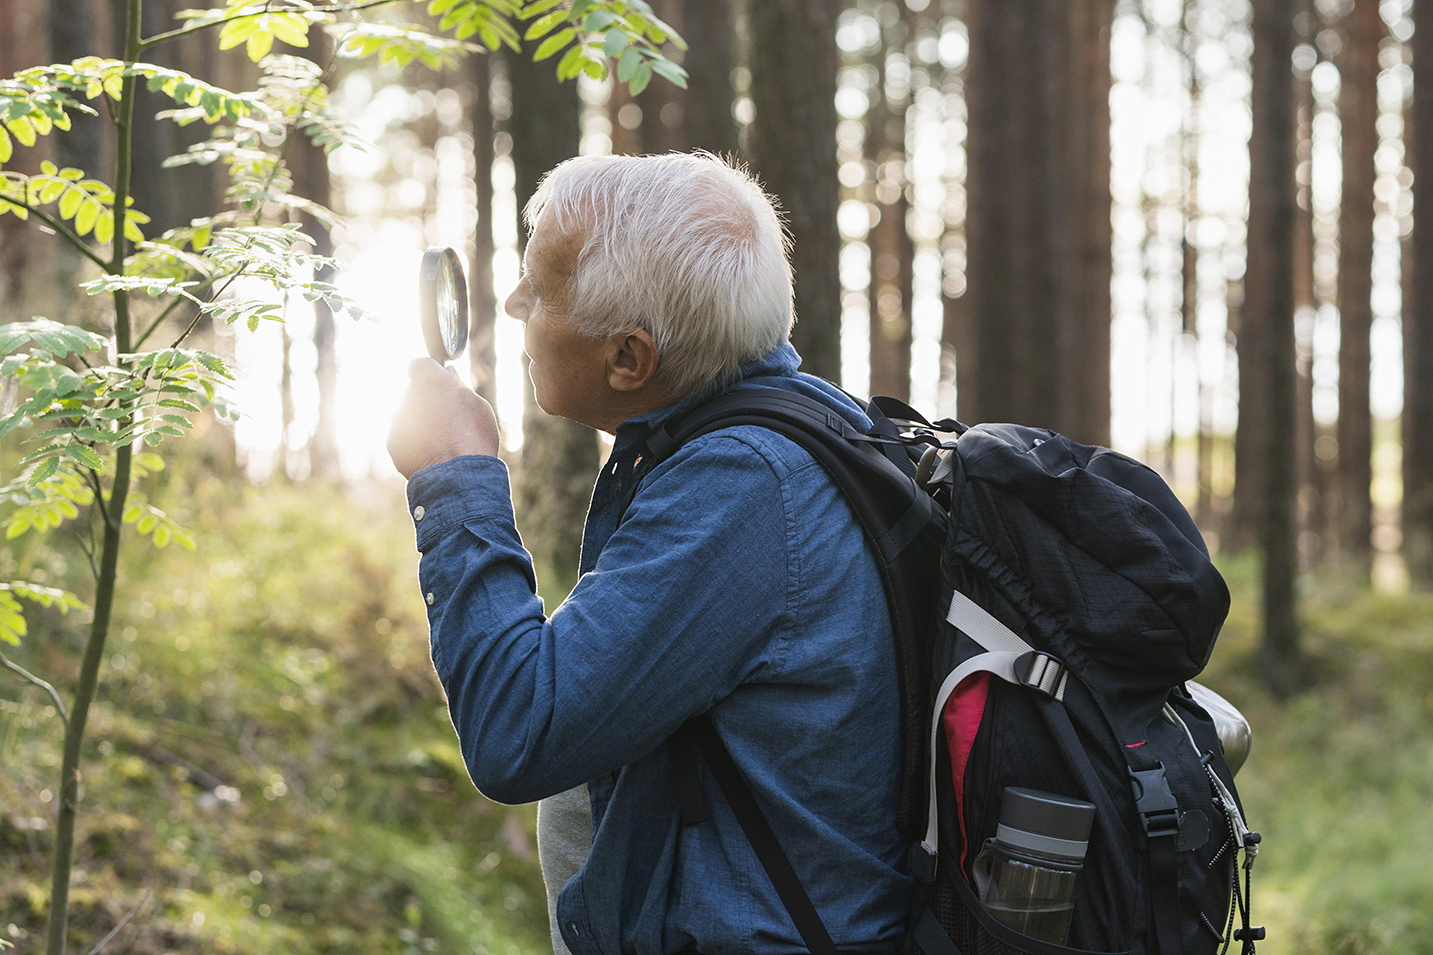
x=1039 y=213
x=1358 y=115
x=892 y=251
x=707 y=121
x=1270 y=306
x=793 y=86
x=559 y=457
x=1309 y=474
x=1418 y=324
x=72 y=35
x=1250 y=436
x=482 y=298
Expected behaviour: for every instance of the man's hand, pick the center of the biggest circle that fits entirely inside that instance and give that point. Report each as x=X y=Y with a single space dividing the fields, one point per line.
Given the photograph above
x=440 y=418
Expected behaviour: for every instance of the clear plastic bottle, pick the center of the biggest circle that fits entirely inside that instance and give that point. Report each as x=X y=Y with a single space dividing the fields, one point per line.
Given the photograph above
x=1038 y=850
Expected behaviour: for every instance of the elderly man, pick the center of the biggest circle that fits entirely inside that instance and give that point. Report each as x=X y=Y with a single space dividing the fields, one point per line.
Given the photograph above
x=736 y=583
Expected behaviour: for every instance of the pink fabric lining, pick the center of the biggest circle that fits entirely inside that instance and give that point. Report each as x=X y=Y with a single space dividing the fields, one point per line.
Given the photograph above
x=963 y=712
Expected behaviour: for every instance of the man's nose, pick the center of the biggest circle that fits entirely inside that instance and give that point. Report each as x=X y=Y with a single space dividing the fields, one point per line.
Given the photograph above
x=516 y=305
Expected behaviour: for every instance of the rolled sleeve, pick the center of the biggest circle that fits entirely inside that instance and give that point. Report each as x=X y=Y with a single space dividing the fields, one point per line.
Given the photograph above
x=646 y=640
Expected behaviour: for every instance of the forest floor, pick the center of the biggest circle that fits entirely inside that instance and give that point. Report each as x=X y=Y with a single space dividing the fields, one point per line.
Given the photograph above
x=271 y=767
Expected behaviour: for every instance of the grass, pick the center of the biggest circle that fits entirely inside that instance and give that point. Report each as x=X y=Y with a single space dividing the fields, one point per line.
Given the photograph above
x=271 y=767
x=1340 y=779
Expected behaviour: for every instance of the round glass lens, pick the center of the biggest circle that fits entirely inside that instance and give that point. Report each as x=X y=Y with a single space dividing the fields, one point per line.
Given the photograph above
x=450 y=315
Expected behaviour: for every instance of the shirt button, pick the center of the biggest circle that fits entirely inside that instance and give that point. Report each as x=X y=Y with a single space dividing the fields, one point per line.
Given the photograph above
x=418 y=513
x=429 y=597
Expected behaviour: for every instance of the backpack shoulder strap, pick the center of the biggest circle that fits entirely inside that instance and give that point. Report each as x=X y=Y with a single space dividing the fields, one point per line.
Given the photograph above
x=875 y=473
x=901 y=521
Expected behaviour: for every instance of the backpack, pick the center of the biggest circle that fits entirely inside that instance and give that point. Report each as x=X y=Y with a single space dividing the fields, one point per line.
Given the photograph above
x=1050 y=603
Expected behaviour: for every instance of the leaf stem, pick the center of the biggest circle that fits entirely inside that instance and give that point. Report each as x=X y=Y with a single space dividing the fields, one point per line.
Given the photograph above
x=175 y=34
x=64 y=232
x=42 y=684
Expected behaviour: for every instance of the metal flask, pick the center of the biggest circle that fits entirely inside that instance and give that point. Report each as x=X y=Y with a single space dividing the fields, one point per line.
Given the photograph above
x=1233 y=730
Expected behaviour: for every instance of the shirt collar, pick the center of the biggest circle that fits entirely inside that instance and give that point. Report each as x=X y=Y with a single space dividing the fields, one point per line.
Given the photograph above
x=782 y=361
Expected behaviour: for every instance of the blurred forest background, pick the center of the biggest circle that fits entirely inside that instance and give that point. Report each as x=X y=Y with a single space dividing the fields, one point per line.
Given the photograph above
x=1184 y=228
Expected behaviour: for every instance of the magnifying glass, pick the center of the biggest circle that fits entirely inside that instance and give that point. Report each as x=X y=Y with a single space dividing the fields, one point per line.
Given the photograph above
x=443 y=304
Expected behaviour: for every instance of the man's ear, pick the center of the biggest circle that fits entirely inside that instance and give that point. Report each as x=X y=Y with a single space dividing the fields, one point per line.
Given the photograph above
x=632 y=361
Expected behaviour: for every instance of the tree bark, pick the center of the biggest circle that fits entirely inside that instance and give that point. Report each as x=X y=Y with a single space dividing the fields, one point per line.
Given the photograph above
x=559 y=457
x=482 y=297
x=1039 y=213
x=72 y=35
x=1309 y=473
x=1358 y=114
x=1418 y=323
x=1250 y=438
x=892 y=251
x=707 y=121
x=1270 y=306
x=793 y=141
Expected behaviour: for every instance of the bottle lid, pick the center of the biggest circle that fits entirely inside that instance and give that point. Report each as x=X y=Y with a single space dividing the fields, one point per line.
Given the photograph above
x=1051 y=825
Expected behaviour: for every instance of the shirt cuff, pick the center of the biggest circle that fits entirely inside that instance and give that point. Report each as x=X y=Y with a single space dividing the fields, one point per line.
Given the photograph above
x=441 y=497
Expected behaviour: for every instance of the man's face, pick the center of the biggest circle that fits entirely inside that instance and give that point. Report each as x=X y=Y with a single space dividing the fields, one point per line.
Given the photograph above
x=568 y=369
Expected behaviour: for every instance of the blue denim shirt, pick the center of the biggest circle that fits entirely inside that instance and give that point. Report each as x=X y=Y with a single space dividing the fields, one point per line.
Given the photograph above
x=738 y=583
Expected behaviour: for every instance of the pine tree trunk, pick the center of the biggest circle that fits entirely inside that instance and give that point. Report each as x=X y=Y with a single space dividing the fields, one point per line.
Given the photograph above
x=1418 y=323
x=892 y=251
x=707 y=121
x=73 y=35
x=1039 y=212
x=793 y=86
x=482 y=297
x=1309 y=473
x=559 y=457
x=1270 y=304
x=1251 y=438
x=1358 y=115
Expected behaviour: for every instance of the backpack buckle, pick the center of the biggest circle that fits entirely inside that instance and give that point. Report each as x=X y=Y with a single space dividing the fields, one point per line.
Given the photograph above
x=1155 y=802
x=1042 y=673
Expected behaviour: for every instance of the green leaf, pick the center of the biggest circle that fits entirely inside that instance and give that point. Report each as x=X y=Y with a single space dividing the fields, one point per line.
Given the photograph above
x=614 y=43
x=85 y=456
x=671 y=71
x=45 y=470
x=640 y=79
x=87 y=216
x=627 y=65
x=70 y=203
x=553 y=43
x=7 y=149
x=545 y=26
x=104 y=226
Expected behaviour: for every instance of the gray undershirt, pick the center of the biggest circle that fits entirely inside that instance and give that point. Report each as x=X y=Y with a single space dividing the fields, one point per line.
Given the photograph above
x=564 y=837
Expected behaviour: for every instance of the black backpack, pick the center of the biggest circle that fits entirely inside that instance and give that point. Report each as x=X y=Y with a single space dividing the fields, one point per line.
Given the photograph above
x=1049 y=602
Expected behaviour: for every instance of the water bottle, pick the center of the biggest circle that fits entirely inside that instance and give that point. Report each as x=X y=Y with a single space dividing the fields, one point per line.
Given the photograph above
x=1038 y=850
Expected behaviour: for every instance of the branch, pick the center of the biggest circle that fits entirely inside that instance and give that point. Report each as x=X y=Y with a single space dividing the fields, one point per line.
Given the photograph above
x=175 y=34
x=64 y=231
x=200 y=313
x=179 y=300
x=30 y=677
x=122 y=923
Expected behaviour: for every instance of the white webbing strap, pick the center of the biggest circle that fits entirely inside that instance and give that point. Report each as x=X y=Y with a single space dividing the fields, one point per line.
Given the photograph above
x=977 y=624
x=1003 y=647
x=999 y=662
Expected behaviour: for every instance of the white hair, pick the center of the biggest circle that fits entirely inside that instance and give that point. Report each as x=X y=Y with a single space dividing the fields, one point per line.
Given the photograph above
x=685 y=246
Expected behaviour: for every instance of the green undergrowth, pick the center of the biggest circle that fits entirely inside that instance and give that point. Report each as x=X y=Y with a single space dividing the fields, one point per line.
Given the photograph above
x=1340 y=778
x=270 y=766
